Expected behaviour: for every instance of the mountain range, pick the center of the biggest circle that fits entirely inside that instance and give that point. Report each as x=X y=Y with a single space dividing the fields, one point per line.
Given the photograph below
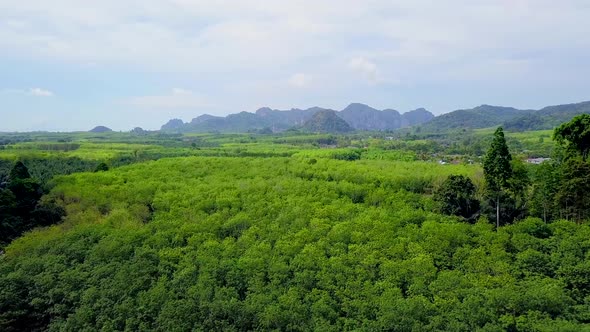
x=363 y=117
x=357 y=116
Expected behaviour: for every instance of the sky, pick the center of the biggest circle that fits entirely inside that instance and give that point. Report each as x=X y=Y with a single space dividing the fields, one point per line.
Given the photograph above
x=71 y=65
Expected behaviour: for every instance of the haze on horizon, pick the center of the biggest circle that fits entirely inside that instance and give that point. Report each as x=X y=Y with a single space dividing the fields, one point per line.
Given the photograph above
x=70 y=66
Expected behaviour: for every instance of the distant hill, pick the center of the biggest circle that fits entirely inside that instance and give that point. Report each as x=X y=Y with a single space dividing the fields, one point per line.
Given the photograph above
x=204 y=118
x=279 y=120
x=416 y=117
x=479 y=117
x=548 y=117
x=358 y=116
x=510 y=118
x=364 y=117
x=326 y=121
x=100 y=129
x=173 y=125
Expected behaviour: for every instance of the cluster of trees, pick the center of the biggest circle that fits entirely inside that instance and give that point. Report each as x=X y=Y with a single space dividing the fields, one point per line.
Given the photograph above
x=21 y=208
x=556 y=189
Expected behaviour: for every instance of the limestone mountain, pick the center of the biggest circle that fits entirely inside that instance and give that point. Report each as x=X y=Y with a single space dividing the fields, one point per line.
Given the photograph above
x=280 y=120
x=326 y=121
x=364 y=117
x=415 y=117
x=173 y=125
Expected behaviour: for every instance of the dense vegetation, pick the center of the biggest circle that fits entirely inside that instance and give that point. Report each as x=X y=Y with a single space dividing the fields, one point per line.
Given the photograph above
x=304 y=232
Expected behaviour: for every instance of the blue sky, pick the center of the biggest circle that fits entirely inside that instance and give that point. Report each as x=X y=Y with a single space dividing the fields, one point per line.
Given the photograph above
x=71 y=65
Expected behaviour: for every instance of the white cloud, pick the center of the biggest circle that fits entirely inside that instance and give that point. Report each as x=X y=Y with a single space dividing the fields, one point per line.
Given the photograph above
x=300 y=80
x=36 y=92
x=237 y=52
x=177 y=99
x=181 y=92
x=366 y=68
x=221 y=36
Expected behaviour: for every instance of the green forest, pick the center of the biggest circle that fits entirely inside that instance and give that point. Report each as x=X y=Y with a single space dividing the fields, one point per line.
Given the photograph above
x=360 y=231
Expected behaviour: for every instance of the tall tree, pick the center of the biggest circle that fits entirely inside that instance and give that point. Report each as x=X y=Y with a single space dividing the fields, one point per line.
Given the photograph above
x=498 y=170
x=574 y=190
x=575 y=135
x=519 y=182
x=545 y=183
x=573 y=194
x=26 y=189
x=19 y=172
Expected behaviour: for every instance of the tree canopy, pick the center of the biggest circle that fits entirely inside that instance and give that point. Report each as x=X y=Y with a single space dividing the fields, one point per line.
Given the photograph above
x=240 y=243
